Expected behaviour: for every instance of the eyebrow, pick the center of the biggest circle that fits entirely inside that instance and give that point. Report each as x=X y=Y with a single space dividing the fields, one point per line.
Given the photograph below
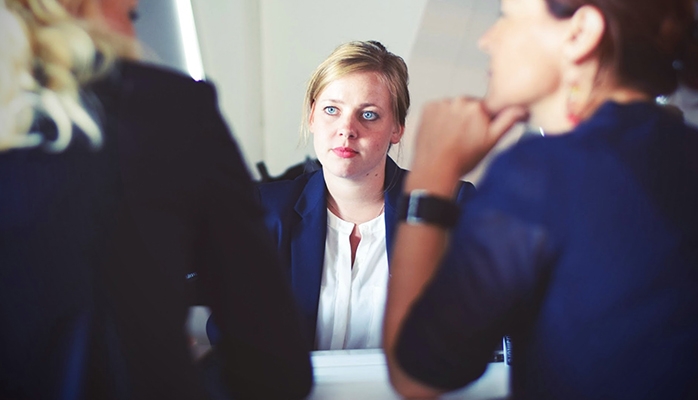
x=362 y=105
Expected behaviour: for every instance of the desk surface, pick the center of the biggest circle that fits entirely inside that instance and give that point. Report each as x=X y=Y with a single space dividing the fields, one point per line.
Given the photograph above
x=362 y=374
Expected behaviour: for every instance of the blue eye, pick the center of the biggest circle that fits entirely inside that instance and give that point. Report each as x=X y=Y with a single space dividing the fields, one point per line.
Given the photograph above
x=331 y=110
x=369 y=115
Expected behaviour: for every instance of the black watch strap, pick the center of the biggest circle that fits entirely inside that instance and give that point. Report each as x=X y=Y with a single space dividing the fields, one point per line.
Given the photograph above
x=419 y=207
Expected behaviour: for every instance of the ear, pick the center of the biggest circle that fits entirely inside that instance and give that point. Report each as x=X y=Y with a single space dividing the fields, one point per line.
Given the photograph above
x=587 y=27
x=397 y=134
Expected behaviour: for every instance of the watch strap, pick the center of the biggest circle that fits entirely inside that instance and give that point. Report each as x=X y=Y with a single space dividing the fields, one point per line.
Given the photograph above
x=419 y=207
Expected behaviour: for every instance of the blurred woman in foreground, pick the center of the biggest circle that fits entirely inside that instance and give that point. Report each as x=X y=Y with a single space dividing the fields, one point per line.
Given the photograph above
x=118 y=181
x=583 y=244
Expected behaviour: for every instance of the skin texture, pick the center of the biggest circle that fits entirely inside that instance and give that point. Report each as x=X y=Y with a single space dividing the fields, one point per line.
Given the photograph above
x=354 y=112
x=118 y=15
x=524 y=46
x=535 y=60
x=353 y=126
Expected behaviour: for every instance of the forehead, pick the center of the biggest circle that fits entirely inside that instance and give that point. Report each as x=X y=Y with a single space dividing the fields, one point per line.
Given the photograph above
x=367 y=84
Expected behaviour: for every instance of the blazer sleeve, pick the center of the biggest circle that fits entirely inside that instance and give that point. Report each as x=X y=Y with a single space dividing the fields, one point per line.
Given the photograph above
x=263 y=350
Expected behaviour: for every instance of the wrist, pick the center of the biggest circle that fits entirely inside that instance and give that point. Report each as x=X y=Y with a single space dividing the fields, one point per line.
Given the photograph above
x=420 y=207
x=436 y=183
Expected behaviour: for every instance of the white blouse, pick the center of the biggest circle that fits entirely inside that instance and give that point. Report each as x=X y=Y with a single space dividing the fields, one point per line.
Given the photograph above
x=352 y=300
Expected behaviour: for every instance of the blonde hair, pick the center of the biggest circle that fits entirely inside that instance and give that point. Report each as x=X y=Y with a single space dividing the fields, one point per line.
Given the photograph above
x=46 y=56
x=360 y=56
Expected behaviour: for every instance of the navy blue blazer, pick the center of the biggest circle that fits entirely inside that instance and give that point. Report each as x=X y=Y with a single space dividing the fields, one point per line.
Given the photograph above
x=584 y=248
x=95 y=247
x=297 y=219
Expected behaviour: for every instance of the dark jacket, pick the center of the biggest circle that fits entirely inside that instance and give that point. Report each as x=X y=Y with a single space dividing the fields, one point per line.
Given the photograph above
x=584 y=248
x=96 y=248
x=296 y=215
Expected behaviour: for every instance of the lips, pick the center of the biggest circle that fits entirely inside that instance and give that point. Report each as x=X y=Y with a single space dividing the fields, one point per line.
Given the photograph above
x=344 y=152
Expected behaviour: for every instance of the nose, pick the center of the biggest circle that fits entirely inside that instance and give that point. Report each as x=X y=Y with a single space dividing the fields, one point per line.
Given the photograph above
x=347 y=126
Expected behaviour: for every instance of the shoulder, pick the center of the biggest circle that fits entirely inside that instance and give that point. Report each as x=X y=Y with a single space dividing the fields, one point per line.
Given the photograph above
x=146 y=76
x=520 y=179
x=153 y=87
x=282 y=196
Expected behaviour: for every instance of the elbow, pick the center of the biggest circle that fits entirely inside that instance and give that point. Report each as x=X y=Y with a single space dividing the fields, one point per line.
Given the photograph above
x=306 y=386
x=413 y=390
x=297 y=385
x=408 y=387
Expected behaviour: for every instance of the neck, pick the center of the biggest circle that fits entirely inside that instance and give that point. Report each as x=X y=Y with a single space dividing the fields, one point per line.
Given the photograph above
x=355 y=201
x=551 y=114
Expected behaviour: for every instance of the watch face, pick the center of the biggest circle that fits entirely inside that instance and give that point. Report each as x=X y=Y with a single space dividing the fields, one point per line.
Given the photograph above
x=421 y=208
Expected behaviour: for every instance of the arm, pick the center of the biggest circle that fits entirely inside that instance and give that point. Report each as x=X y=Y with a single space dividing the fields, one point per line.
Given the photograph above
x=459 y=133
x=261 y=338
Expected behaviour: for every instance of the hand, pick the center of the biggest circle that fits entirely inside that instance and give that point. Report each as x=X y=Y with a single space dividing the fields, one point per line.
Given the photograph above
x=456 y=134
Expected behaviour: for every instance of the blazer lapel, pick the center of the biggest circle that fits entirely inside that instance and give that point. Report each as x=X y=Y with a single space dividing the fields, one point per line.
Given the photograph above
x=308 y=249
x=394 y=177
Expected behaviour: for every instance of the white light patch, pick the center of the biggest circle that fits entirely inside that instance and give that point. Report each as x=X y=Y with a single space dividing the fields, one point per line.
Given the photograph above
x=190 y=40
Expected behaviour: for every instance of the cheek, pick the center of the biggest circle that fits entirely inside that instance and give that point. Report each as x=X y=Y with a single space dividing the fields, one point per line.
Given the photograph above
x=121 y=25
x=383 y=139
x=319 y=138
x=524 y=71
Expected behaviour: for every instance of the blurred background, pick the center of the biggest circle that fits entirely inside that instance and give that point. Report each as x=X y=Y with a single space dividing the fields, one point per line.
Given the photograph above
x=260 y=54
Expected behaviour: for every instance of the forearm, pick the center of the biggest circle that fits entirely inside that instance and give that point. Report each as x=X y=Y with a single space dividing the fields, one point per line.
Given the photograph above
x=416 y=256
x=454 y=135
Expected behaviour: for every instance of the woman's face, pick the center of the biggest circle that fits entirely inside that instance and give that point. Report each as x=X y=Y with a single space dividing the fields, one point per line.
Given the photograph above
x=353 y=126
x=524 y=46
x=120 y=15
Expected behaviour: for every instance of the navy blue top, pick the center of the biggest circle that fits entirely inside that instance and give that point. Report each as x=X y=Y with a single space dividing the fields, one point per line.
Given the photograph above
x=296 y=215
x=584 y=247
x=96 y=248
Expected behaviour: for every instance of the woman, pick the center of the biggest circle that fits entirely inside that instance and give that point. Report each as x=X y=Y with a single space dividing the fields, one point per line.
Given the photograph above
x=117 y=181
x=580 y=244
x=333 y=227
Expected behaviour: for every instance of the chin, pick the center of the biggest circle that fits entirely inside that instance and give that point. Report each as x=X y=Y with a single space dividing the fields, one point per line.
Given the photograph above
x=492 y=104
x=339 y=171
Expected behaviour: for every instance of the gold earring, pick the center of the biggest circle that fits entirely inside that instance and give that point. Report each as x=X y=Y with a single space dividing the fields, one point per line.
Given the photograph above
x=572 y=98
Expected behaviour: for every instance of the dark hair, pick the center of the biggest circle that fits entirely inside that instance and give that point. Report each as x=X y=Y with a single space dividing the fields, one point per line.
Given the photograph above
x=649 y=45
x=689 y=74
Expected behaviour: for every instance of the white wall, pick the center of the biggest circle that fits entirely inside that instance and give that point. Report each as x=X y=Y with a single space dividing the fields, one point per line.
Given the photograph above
x=298 y=35
x=445 y=61
x=229 y=37
x=159 y=33
x=260 y=54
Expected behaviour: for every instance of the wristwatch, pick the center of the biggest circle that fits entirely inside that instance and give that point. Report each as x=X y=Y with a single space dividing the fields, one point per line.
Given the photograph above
x=419 y=207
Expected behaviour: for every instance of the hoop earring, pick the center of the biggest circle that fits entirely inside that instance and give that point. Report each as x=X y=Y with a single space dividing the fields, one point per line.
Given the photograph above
x=572 y=99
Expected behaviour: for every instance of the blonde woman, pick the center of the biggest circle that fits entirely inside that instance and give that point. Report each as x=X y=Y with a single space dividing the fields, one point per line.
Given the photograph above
x=117 y=182
x=333 y=227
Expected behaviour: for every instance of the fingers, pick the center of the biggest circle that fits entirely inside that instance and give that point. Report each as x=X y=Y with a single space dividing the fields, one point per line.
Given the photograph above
x=460 y=131
x=504 y=120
